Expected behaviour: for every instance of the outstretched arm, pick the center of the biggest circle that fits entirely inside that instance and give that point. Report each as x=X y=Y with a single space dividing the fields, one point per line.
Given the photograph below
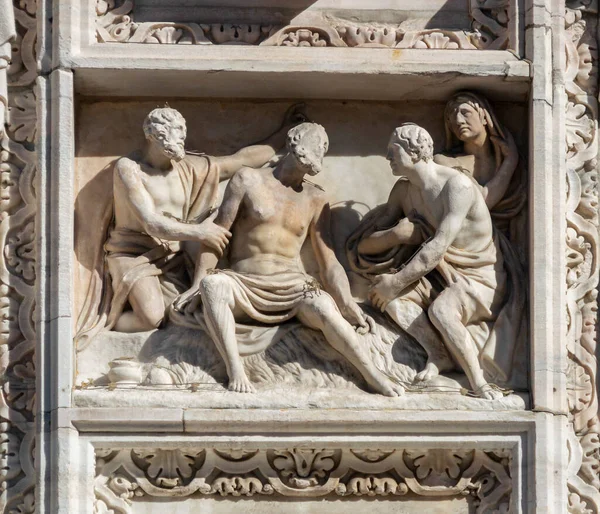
x=257 y=155
x=333 y=275
x=458 y=198
x=127 y=174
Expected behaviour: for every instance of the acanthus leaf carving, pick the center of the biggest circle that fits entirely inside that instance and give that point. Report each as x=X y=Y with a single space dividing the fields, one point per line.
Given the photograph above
x=22 y=116
x=491 y=20
x=122 y=476
x=115 y=24
x=582 y=246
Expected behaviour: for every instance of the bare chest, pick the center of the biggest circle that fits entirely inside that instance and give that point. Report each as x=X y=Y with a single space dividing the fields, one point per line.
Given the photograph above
x=274 y=204
x=428 y=204
x=166 y=191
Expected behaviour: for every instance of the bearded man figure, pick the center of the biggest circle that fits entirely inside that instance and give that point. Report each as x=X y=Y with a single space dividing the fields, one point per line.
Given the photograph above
x=271 y=212
x=164 y=200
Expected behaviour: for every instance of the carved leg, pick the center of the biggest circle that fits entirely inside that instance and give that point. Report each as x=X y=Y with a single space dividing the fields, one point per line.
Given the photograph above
x=322 y=314
x=445 y=316
x=146 y=300
x=219 y=304
x=414 y=321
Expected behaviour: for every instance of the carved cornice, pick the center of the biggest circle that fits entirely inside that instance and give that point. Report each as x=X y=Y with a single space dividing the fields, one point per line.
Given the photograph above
x=581 y=85
x=115 y=24
x=126 y=474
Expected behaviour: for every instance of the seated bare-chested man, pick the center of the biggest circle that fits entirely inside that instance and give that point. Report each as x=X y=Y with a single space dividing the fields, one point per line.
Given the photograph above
x=450 y=208
x=270 y=213
x=162 y=197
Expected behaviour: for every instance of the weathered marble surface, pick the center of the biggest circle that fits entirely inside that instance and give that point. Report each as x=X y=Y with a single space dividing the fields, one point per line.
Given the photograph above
x=340 y=223
x=49 y=440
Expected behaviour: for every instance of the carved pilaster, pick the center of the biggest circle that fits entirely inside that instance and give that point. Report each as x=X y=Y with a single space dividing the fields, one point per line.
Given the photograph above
x=581 y=83
x=17 y=267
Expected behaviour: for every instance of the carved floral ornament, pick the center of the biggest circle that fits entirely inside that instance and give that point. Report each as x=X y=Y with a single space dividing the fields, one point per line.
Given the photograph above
x=490 y=30
x=581 y=85
x=124 y=475
x=18 y=206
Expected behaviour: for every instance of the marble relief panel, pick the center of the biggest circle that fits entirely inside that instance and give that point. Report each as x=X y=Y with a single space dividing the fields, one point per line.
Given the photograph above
x=339 y=246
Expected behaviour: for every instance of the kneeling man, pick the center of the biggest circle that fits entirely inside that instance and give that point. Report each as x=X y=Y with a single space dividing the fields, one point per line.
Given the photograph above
x=270 y=213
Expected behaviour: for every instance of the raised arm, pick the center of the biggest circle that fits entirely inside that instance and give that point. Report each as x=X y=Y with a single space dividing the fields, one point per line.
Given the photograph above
x=458 y=198
x=127 y=174
x=333 y=275
x=257 y=155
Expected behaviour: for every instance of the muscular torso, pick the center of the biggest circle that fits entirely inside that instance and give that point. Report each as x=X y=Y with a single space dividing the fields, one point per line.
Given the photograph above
x=432 y=203
x=272 y=223
x=164 y=187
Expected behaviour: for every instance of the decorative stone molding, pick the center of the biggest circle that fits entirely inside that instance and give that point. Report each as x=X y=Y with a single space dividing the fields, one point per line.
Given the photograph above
x=123 y=475
x=115 y=23
x=491 y=21
x=17 y=268
x=581 y=84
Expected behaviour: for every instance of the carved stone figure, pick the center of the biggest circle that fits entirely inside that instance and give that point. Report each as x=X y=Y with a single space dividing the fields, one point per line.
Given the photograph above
x=163 y=200
x=466 y=306
x=270 y=213
x=478 y=144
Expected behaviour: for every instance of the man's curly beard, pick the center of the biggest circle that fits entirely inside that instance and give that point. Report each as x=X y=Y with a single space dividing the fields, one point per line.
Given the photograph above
x=308 y=161
x=174 y=151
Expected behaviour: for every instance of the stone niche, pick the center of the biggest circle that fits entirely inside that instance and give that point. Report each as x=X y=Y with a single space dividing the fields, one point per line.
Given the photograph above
x=356 y=178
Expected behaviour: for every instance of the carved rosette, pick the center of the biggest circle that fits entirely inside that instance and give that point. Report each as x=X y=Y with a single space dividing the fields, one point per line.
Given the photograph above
x=123 y=475
x=490 y=30
x=581 y=84
x=17 y=269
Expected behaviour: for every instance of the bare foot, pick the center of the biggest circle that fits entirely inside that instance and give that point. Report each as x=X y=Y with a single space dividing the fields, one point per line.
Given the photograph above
x=433 y=368
x=383 y=385
x=488 y=392
x=430 y=371
x=393 y=390
x=241 y=384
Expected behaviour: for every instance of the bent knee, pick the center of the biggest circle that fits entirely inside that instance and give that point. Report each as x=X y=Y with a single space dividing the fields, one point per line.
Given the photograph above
x=442 y=313
x=216 y=286
x=152 y=317
x=322 y=307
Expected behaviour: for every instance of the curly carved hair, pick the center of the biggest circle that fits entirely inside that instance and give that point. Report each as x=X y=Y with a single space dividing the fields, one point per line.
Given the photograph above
x=159 y=117
x=415 y=141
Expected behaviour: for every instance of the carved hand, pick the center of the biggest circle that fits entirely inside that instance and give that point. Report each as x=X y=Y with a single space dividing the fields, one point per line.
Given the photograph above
x=212 y=235
x=355 y=316
x=385 y=288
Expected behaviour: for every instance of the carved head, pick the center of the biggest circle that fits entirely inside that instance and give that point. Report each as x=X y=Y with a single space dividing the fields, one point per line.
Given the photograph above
x=165 y=127
x=308 y=143
x=468 y=116
x=408 y=145
x=10 y=195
